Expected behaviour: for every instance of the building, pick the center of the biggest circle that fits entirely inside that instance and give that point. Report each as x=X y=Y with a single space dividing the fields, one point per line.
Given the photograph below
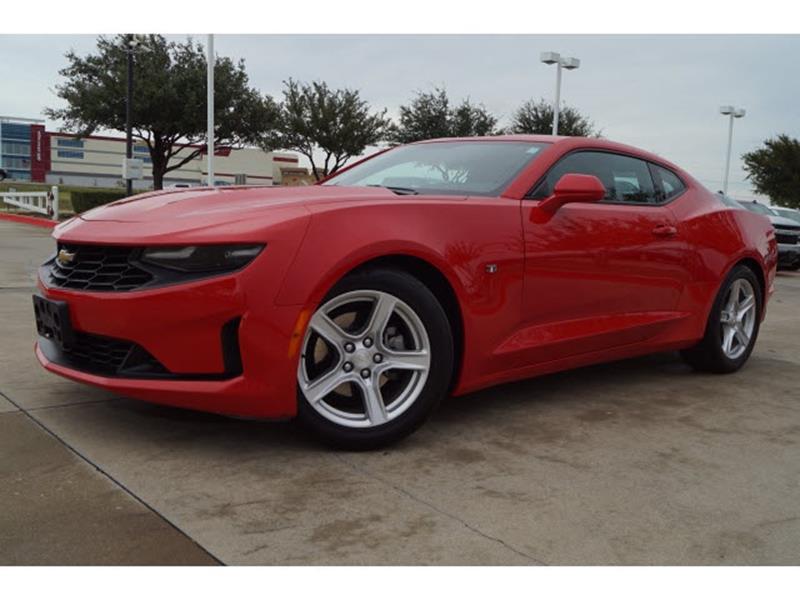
x=16 y=148
x=28 y=152
x=297 y=176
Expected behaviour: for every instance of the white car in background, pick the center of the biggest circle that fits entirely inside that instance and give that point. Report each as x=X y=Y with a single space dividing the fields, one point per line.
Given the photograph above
x=789 y=213
x=787 y=234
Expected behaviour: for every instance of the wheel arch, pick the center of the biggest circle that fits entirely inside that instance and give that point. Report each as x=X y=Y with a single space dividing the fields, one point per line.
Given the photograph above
x=758 y=271
x=441 y=287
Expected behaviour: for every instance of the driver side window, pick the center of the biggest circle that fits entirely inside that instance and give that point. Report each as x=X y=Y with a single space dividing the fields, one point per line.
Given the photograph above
x=625 y=178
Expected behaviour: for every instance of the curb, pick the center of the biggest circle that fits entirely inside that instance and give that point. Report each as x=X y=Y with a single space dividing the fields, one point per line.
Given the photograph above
x=37 y=221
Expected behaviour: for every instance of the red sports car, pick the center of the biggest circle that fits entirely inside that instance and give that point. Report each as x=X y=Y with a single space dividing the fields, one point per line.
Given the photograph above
x=430 y=269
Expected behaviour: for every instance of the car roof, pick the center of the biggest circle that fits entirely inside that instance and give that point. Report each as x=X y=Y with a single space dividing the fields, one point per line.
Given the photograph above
x=549 y=139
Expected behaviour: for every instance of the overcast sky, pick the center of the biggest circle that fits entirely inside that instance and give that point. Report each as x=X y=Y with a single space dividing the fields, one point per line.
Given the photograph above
x=661 y=93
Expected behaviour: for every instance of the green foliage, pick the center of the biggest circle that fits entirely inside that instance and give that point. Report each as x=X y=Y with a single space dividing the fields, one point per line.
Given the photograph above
x=87 y=199
x=313 y=118
x=430 y=116
x=169 y=101
x=774 y=170
x=536 y=117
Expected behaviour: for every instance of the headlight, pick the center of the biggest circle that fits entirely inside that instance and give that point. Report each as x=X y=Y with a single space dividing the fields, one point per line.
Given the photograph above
x=199 y=259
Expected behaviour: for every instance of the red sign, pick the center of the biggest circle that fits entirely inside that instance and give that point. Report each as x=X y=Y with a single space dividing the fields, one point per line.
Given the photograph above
x=40 y=153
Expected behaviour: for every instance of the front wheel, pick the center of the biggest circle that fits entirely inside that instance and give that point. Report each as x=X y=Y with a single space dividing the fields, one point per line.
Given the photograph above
x=376 y=360
x=732 y=326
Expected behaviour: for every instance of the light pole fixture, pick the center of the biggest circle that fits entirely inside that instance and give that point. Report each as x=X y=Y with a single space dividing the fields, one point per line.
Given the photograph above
x=732 y=112
x=561 y=62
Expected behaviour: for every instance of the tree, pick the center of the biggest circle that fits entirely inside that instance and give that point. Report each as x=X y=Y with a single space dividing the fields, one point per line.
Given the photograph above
x=774 y=170
x=470 y=120
x=169 y=102
x=338 y=124
x=537 y=118
x=429 y=115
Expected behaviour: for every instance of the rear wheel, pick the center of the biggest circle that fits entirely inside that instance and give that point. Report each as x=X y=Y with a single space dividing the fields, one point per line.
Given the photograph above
x=376 y=359
x=732 y=326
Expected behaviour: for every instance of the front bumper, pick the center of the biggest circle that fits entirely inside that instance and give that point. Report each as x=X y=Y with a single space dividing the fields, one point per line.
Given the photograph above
x=181 y=327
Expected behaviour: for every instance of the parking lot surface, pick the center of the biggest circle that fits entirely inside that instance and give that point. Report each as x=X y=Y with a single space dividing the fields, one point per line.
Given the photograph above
x=636 y=462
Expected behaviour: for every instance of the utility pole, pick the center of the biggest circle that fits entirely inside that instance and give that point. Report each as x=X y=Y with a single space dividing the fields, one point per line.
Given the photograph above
x=561 y=62
x=129 y=46
x=210 y=105
x=733 y=113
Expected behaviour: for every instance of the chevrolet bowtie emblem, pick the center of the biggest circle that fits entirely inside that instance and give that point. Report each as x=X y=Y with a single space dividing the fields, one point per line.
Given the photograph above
x=65 y=257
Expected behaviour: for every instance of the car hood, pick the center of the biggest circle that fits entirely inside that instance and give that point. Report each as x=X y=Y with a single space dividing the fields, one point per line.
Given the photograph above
x=218 y=205
x=783 y=222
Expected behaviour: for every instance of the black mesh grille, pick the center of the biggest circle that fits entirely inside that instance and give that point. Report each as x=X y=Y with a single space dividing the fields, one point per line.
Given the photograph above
x=97 y=268
x=786 y=238
x=101 y=353
x=110 y=356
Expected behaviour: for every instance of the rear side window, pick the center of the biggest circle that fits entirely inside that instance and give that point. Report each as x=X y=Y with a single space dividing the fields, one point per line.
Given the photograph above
x=626 y=179
x=670 y=184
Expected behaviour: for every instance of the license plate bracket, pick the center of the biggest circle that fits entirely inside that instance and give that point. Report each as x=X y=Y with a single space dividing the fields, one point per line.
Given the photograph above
x=53 y=322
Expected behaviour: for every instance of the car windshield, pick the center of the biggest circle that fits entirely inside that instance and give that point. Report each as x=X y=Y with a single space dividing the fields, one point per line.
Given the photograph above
x=464 y=168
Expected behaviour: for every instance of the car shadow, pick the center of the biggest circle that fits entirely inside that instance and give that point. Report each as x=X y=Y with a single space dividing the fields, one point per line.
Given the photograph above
x=573 y=385
x=471 y=410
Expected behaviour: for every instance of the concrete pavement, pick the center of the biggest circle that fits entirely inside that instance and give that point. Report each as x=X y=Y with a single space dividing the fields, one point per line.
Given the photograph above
x=637 y=462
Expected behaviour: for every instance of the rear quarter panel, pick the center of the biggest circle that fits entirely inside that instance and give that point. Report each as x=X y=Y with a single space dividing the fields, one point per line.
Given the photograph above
x=718 y=237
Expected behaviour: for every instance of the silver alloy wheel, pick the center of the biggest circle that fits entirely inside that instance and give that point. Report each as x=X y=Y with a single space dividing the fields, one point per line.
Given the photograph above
x=738 y=318
x=365 y=359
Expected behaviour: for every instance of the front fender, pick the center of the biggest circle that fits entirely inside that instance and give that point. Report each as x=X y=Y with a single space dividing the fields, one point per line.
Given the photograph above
x=476 y=245
x=313 y=273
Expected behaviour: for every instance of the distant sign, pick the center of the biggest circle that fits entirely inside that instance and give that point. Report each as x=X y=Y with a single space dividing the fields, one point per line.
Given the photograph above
x=132 y=168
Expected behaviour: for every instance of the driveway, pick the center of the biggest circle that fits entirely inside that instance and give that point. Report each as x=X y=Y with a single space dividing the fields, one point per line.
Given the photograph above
x=636 y=462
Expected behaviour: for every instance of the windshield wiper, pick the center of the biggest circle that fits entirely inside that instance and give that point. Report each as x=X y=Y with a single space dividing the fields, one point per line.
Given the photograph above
x=400 y=191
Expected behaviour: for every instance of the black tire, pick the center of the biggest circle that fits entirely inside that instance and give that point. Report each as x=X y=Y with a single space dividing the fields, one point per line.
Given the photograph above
x=425 y=304
x=708 y=354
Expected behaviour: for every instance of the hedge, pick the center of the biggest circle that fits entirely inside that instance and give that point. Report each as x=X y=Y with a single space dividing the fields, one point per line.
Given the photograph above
x=84 y=200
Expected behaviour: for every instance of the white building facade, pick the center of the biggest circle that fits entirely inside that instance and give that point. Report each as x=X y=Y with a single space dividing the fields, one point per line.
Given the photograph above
x=28 y=152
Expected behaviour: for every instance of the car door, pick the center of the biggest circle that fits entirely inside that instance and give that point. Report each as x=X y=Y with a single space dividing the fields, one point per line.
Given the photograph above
x=599 y=275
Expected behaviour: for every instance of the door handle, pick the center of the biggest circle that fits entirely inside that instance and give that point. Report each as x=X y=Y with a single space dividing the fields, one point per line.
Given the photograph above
x=665 y=230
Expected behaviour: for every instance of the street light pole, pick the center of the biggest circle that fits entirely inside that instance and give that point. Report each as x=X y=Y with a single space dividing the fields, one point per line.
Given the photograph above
x=557 y=103
x=210 y=108
x=566 y=62
x=732 y=113
x=129 y=112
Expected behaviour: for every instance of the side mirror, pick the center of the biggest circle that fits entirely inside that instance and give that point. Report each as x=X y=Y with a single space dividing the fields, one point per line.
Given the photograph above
x=572 y=187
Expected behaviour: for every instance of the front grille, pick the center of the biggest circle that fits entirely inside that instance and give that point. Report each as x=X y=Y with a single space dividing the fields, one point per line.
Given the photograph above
x=97 y=268
x=783 y=237
x=110 y=356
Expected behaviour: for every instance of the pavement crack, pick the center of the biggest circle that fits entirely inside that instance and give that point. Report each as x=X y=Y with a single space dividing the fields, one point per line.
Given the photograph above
x=367 y=473
x=67 y=404
x=773 y=522
x=106 y=474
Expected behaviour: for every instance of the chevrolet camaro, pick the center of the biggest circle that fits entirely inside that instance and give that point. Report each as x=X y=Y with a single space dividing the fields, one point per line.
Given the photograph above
x=431 y=269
